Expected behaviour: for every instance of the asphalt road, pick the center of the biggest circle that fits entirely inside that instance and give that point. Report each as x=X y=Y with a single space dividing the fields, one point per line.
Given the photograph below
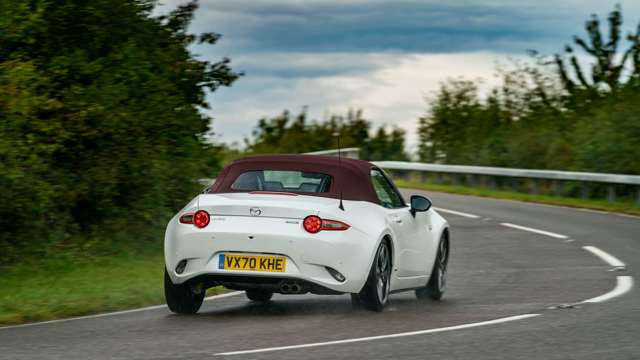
x=495 y=272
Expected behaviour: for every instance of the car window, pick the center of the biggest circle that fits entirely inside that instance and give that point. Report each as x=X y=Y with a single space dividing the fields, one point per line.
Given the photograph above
x=387 y=195
x=282 y=180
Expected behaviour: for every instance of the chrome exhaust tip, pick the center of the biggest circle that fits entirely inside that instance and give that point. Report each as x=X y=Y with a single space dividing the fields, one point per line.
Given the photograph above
x=285 y=288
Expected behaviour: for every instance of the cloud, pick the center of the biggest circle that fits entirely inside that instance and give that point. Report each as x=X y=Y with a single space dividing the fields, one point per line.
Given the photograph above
x=404 y=25
x=392 y=91
x=381 y=56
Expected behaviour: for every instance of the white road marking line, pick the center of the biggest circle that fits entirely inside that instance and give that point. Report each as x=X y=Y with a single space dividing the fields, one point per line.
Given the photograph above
x=459 y=213
x=623 y=285
x=370 y=338
x=537 y=231
x=214 y=297
x=606 y=257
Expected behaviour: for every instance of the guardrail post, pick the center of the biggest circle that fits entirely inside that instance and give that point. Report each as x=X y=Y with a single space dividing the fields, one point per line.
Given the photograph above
x=471 y=180
x=454 y=179
x=584 y=191
x=534 y=186
x=557 y=187
x=638 y=196
x=611 y=193
x=424 y=177
x=514 y=184
x=492 y=182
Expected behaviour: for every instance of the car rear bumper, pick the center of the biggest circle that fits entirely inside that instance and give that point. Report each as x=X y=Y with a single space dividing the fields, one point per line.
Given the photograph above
x=308 y=256
x=283 y=285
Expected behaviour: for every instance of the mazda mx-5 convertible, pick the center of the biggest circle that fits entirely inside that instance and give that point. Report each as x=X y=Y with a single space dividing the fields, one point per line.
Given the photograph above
x=293 y=224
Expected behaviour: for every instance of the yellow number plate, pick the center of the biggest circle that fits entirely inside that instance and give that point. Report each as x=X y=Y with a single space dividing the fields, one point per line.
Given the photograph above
x=252 y=262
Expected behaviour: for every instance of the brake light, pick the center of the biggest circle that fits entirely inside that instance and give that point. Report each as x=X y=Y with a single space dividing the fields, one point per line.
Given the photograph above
x=314 y=224
x=200 y=218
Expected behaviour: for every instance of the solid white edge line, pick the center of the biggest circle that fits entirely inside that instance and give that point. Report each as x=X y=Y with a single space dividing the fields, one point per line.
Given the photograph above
x=623 y=285
x=537 y=231
x=389 y=336
x=459 y=213
x=214 y=297
x=606 y=257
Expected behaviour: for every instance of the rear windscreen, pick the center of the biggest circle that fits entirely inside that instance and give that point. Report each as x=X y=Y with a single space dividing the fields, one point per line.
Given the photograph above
x=282 y=180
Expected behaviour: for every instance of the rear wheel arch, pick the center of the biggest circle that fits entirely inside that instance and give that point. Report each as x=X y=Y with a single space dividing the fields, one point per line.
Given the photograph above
x=385 y=236
x=375 y=292
x=446 y=237
x=390 y=244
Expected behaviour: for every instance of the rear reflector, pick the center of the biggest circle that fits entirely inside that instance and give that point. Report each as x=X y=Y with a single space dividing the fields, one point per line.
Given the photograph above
x=314 y=224
x=336 y=274
x=181 y=266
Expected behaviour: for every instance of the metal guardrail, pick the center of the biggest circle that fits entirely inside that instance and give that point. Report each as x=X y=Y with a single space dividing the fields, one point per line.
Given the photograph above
x=611 y=180
x=510 y=172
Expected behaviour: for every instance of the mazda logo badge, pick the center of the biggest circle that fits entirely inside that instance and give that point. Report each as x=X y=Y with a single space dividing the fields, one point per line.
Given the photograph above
x=255 y=211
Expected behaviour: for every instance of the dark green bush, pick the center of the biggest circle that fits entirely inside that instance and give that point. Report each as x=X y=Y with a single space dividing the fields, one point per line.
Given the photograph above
x=101 y=129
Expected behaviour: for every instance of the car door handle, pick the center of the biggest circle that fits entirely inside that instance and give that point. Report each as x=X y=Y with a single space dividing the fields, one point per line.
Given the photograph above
x=398 y=220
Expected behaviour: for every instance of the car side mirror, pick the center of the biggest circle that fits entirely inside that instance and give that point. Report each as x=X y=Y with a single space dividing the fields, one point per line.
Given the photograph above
x=419 y=204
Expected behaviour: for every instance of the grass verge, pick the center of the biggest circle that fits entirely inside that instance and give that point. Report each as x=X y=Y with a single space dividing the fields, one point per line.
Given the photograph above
x=64 y=286
x=625 y=207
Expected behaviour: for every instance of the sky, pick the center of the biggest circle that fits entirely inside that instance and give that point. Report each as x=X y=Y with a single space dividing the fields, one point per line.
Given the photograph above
x=384 y=57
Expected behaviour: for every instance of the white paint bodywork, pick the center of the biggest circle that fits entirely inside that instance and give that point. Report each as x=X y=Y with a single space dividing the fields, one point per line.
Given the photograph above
x=278 y=230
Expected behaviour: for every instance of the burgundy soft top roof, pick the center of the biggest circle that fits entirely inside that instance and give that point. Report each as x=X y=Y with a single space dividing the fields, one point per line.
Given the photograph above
x=351 y=177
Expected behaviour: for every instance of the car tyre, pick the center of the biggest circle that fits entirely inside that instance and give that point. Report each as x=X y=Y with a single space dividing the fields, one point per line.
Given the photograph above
x=258 y=295
x=438 y=281
x=356 y=303
x=181 y=298
x=375 y=293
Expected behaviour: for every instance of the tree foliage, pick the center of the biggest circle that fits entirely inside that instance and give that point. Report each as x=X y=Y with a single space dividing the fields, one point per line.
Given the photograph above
x=287 y=133
x=606 y=73
x=101 y=123
x=546 y=115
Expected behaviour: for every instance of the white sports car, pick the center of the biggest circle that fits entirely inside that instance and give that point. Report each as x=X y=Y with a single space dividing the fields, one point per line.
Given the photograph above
x=293 y=224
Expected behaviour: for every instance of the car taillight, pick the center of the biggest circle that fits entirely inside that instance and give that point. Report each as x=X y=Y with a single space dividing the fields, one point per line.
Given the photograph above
x=200 y=218
x=186 y=218
x=315 y=224
x=312 y=224
x=333 y=225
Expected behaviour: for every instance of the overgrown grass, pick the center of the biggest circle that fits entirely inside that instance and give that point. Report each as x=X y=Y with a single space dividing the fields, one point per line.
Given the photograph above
x=626 y=207
x=65 y=285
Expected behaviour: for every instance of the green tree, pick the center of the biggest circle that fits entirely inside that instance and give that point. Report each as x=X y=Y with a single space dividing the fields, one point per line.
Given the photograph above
x=568 y=118
x=100 y=111
x=607 y=70
x=286 y=133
